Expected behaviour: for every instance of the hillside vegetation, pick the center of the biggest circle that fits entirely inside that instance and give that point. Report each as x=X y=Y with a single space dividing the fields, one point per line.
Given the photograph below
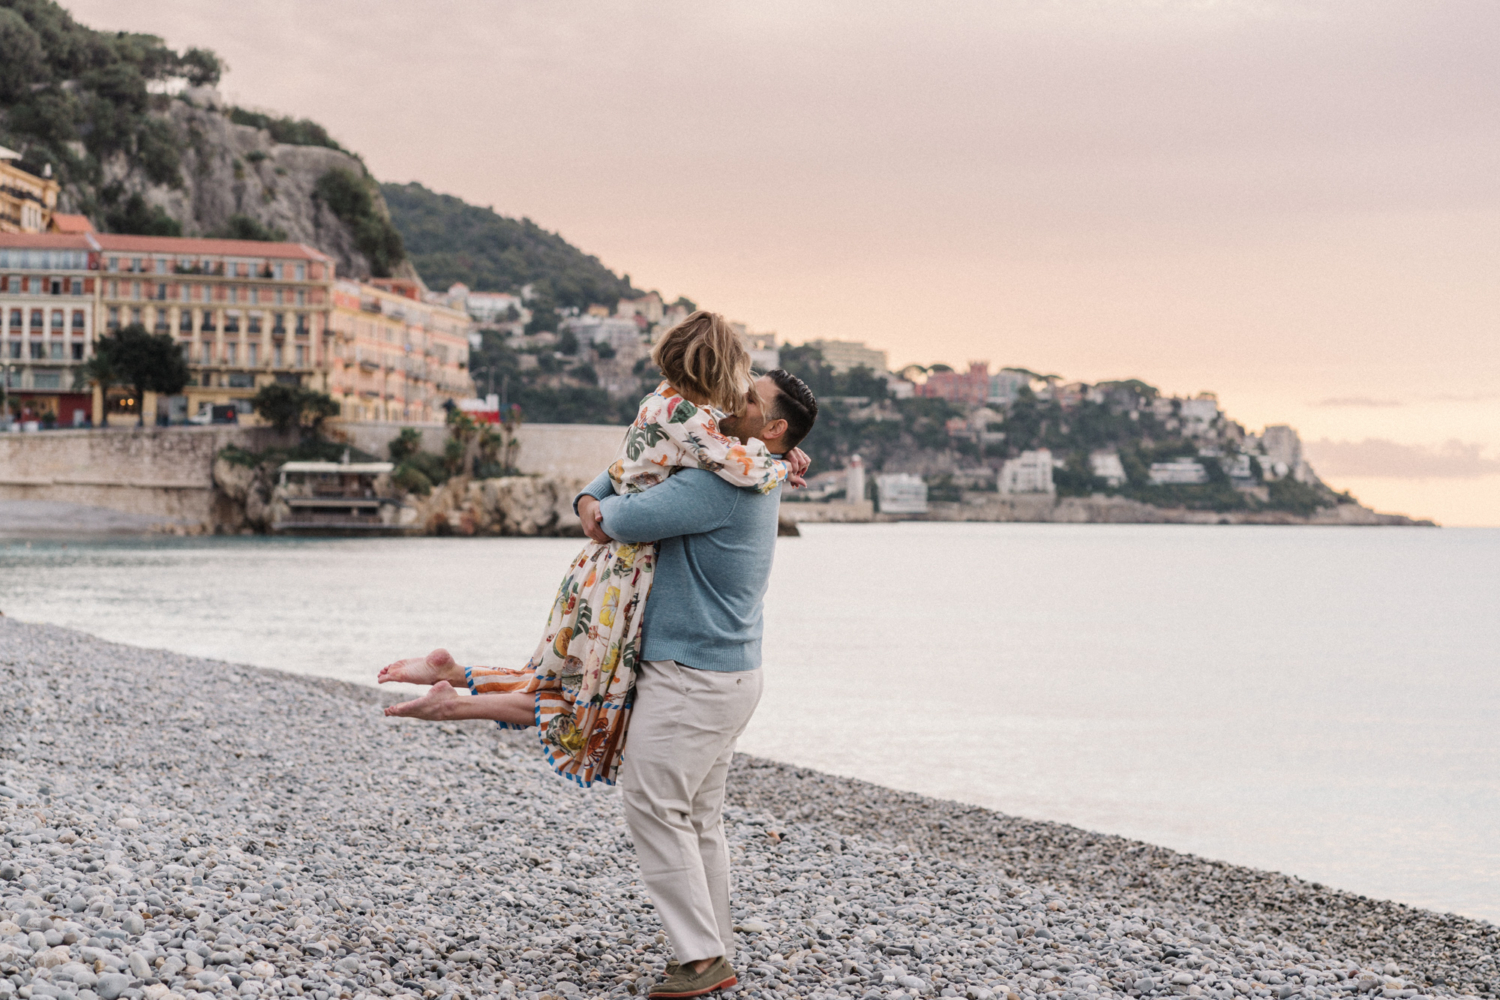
x=450 y=240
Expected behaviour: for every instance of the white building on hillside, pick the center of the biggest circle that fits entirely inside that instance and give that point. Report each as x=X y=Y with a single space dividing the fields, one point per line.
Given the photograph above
x=901 y=494
x=844 y=355
x=1178 y=472
x=1199 y=415
x=1006 y=385
x=621 y=334
x=1030 y=473
x=1107 y=466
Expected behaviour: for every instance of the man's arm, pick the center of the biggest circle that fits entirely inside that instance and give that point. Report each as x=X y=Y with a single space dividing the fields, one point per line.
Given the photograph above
x=600 y=488
x=689 y=503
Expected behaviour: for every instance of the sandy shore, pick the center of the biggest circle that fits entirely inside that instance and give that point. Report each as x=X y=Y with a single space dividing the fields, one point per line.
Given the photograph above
x=175 y=827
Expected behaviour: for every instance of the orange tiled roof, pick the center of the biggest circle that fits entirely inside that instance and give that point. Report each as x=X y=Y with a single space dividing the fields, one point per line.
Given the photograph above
x=191 y=245
x=62 y=222
x=48 y=241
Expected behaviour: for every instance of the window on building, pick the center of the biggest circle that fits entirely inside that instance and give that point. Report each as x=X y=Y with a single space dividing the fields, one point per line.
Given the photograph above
x=57 y=286
x=302 y=296
x=185 y=321
x=208 y=321
x=161 y=265
x=56 y=350
x=78 y=351
x=114 y=263
x=231 y=322
x=279 y=299
x=161 y=293
x=241 y=380
x=114 y=319
x=135 y=315
x=302 y=327
x=77 y=286
x=252 y=354
x=254 y=296
x=276 y=271
x=36 y=319
x=38 y=350
x=135 y=264
x=78 y=320
x=163 y=321
x=231 y=353
x=255 y=322
x=47 y=380
x=301 y=273
x=301 y=356
x=135 y=289
x=15 y=348
x=278 y=356
x=185 y=292
x=208 y=354
x=57 y=320
x=16 y=320
x=278 y=322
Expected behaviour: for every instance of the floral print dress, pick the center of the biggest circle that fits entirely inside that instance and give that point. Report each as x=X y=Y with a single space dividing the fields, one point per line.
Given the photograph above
x=583 y=671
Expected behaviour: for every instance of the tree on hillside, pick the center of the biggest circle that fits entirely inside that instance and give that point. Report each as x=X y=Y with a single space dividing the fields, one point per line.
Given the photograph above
x=287 y=406
x=148 y=362
x=99 y=371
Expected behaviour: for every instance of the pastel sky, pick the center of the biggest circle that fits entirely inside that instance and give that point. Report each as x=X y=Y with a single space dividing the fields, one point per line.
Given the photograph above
x=1295 y=203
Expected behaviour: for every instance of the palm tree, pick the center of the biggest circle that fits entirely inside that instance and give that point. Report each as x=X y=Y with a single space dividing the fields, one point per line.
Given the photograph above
x=99 y=370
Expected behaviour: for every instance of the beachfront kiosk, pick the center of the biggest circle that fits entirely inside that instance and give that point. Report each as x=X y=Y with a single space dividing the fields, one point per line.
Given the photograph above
x=335 y=497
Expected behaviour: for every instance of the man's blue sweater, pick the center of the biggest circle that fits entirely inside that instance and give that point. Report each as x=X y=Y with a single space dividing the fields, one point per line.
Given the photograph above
x=717 y=540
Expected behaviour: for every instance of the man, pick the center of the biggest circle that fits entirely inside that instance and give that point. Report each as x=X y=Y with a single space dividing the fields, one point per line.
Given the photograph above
x=699 y=679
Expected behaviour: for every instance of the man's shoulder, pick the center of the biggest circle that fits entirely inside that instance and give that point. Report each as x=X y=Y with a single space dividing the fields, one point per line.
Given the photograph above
x=711 y=484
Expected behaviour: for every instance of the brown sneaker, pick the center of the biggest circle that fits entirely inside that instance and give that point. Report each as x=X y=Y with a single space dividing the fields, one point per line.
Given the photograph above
x=682 y=981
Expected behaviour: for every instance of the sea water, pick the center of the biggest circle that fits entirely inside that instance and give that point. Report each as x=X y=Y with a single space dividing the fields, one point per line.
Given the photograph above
x=1319 y=701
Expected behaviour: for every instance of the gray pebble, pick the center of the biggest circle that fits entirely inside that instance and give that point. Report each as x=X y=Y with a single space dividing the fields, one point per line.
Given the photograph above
x=297 y=843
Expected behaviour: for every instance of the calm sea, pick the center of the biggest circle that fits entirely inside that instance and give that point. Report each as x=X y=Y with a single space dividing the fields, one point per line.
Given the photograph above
x=1324 y=702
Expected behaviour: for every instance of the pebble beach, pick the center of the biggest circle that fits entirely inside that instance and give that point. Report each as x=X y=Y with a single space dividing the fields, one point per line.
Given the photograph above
x=174 y=828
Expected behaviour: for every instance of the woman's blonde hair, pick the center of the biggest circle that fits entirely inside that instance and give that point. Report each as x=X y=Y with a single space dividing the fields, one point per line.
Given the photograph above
x=703 y=355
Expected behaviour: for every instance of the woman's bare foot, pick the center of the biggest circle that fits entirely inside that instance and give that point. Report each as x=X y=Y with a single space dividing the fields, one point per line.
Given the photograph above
x=435 y=666
x=435 y=705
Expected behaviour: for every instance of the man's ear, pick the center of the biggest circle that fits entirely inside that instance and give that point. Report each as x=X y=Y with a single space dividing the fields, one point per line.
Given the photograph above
x=773 y=429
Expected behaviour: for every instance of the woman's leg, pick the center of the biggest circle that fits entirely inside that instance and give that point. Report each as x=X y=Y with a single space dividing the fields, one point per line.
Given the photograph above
x=443 y=703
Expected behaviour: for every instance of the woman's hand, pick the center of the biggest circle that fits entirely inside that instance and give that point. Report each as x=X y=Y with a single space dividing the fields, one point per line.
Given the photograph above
x=592 y=519
x=797 y=463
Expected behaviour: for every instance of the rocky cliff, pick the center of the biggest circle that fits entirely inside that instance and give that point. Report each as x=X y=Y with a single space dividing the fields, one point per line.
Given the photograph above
x=236 y=179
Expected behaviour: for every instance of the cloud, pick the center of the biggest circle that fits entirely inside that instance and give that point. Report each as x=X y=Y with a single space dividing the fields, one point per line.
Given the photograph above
x=1388 y=459
x=1358 y=401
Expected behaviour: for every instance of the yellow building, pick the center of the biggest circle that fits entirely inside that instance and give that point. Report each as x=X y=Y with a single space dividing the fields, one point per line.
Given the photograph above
x=246 y=313
x=26 y=200
x=396 y=356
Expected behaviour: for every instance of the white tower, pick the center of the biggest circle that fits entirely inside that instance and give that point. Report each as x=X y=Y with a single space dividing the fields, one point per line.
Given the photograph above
x=854 y=490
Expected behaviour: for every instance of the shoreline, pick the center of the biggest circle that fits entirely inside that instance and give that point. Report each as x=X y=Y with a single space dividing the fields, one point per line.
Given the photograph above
x=446 y=860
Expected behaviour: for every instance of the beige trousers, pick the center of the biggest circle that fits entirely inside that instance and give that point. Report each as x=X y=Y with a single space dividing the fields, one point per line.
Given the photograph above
x=682 y=736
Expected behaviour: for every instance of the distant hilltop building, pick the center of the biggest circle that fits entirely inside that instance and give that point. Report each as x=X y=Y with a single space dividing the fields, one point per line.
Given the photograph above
x=854 y=486
x=1108 y=467
x=1030 y=472
x=971 y=387
x=1178 y=472
x=26 y=200
x=846 y=355
x=900 y=493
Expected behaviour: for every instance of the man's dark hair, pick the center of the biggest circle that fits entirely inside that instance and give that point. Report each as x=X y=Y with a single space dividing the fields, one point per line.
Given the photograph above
x=795 y=404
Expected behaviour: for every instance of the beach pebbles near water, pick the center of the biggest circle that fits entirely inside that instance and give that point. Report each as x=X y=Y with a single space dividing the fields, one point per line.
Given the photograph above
x=172 y=827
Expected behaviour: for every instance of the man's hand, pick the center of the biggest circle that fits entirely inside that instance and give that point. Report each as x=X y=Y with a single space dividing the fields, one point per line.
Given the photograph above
x=797 y=463
x=592 y=519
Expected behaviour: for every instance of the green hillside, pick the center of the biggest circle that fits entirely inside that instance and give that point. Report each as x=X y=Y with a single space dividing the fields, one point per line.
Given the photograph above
x=449 y=240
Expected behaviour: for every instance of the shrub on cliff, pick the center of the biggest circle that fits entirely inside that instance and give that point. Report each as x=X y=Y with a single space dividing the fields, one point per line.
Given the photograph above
x=350 y=198
x=287 y=406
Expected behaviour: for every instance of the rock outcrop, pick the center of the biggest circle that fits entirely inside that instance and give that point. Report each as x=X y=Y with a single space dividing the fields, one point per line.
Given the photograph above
x=229 y=170
x=513 y=505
